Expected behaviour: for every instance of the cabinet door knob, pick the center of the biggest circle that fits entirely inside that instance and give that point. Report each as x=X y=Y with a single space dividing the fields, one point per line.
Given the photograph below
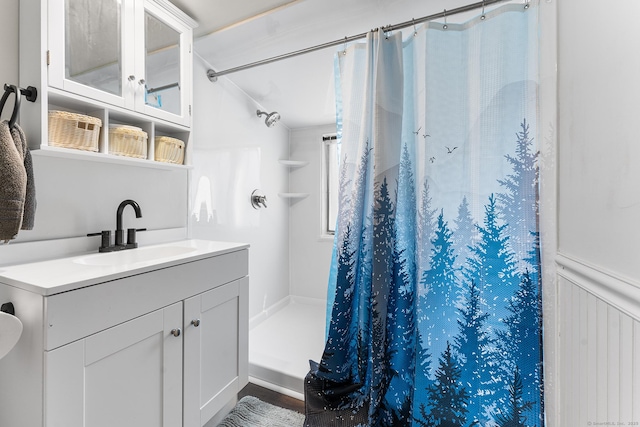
x=196 y=322
x=175 y=332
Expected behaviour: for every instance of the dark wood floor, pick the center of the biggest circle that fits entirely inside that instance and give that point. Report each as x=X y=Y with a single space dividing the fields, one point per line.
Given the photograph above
x=272 y=397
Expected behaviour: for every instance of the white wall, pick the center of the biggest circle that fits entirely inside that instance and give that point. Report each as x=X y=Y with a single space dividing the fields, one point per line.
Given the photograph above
x=310 y=253
x=77 y=197
x=599 y=150
x=598 y=212
x=233 y=154
x=9 y=50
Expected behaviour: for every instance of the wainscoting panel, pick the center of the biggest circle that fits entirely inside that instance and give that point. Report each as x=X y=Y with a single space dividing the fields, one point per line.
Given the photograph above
x=599 y=349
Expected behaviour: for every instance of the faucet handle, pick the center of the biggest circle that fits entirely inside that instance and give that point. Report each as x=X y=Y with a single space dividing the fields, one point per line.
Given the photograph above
x=106 y=239
x=131 y=236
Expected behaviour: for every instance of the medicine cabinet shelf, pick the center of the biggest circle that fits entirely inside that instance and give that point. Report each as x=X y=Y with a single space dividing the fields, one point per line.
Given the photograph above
x=293 y=195
x=108 y=114
x=49 y=151
x=293 y=163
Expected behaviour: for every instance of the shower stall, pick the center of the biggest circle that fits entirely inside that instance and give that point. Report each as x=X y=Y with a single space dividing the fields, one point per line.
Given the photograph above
x=282 y=341
x=285 y=335
x=235 y=154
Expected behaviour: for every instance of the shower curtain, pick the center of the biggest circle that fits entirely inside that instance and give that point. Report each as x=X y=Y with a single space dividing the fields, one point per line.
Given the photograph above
x=434 y=315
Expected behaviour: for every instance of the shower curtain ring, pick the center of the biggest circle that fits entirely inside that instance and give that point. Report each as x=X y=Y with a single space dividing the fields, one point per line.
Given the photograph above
x=415 y=31
x=526 y=6
x=482 y=17
x=445 y=26
x=344 y=50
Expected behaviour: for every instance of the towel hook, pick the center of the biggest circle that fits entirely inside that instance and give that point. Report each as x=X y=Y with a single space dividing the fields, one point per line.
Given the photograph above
x=31 y=93
x=8 y=308
x=16 y=106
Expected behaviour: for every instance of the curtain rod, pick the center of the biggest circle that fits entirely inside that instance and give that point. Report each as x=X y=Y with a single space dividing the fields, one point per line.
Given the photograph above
x=213 y=75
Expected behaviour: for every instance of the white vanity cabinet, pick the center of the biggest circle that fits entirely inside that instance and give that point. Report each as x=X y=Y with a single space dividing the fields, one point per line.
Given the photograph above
x=162 y=345
x=134 y=54
x=214 y=368
x=130 y=374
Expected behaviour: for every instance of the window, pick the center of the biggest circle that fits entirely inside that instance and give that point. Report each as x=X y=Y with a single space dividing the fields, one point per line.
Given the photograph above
x=330 y=183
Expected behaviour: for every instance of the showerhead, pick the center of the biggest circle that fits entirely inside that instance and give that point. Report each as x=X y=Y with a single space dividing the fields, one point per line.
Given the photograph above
x=271 y=119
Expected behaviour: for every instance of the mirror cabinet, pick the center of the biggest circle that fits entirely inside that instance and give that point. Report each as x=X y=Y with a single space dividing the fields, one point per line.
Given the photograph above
x=125 y=61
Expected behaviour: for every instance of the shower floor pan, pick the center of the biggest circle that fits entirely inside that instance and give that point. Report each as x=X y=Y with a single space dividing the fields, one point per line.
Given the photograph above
x=281 y=345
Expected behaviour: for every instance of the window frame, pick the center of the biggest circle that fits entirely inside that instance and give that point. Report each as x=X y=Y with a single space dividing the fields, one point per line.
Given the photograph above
x=330 y=181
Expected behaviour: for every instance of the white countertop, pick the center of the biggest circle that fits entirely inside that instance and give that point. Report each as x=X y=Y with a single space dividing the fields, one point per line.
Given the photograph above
x=66 y=274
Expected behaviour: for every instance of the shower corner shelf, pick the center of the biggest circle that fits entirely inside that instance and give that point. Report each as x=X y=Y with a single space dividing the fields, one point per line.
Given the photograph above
x=293 y=163
x=293 y=195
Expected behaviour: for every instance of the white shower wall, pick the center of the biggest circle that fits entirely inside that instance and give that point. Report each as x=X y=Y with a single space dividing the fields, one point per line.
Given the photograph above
x=310 y=251
x=233 y=154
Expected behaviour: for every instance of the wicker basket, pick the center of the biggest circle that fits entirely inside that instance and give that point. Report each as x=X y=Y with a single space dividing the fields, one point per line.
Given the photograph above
x=169 y=150
x=71 y=130
x=127 y=141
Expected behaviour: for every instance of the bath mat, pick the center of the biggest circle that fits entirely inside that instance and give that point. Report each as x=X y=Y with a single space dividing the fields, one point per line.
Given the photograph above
x=253 y=412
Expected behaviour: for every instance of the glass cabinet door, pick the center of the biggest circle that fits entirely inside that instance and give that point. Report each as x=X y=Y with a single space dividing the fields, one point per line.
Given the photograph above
x=93 y=46
x=133 y=54
x=89 y=49
x=164 y=65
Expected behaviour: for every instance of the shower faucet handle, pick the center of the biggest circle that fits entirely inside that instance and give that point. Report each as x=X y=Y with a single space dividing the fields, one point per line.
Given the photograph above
x=261 y=200
x=258 y=200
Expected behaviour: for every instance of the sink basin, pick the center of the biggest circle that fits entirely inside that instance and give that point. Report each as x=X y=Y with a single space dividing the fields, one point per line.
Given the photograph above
x=133 y=256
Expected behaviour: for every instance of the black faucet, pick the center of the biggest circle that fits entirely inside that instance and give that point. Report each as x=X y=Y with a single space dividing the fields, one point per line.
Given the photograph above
x=119 y=230
x=119 y=245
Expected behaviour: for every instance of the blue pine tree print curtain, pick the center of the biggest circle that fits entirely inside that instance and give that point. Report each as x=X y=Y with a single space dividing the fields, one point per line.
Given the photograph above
x=435 y=296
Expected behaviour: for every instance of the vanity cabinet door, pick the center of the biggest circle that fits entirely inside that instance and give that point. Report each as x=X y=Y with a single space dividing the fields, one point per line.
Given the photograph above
x=128 y=375
x=215 y=350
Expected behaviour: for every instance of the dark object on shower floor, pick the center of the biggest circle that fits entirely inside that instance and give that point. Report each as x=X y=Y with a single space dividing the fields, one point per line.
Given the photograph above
x=325 y=402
